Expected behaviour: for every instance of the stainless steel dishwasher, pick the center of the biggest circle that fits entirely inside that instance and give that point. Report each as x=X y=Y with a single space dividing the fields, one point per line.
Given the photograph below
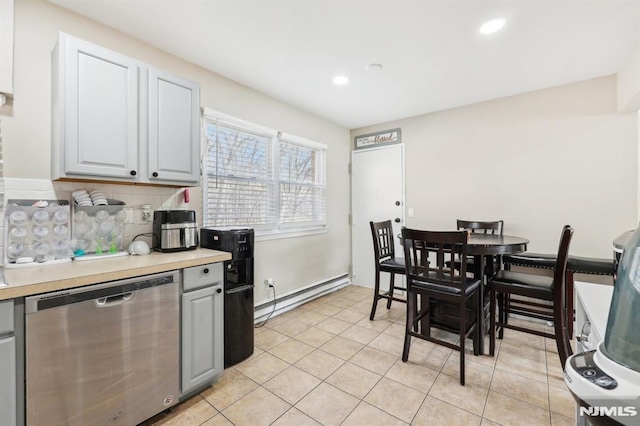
x=106 y=354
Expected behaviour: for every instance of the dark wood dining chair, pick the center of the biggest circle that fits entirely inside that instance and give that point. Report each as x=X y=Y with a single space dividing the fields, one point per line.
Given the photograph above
x=493 y=227
x=385 y=261
x=550 y=291
x=426 y=254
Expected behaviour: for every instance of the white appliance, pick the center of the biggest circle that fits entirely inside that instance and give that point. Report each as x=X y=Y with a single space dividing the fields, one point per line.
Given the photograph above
x=605 y=382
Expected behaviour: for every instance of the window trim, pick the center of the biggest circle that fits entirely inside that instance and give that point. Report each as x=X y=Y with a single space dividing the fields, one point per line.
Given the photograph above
x=281 y=230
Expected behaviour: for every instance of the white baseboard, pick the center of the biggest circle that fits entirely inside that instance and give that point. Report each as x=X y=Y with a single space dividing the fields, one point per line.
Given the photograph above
x=288 y=301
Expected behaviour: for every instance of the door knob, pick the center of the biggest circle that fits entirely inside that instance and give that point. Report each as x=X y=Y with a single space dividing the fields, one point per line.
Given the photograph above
x=397 y=220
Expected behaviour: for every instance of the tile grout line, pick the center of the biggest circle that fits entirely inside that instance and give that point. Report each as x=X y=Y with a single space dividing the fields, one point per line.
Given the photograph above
x=392 y=321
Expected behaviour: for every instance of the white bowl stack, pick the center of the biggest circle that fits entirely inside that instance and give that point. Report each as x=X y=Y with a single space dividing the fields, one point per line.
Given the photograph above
x=93 y=198
x=98 y=198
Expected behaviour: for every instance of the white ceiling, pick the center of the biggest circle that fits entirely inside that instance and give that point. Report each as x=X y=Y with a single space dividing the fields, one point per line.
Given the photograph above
x=433 y=56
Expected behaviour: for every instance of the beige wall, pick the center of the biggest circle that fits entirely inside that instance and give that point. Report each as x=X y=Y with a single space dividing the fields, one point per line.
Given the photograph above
x=291 y=262
x=629 y=80
x=538 y=161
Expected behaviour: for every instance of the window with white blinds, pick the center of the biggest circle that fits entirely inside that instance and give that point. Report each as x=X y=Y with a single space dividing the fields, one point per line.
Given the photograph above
x=302 y=183
x=260 y=178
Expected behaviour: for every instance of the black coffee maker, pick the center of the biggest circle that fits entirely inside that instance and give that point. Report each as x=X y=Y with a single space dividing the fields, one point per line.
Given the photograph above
x=238 y=289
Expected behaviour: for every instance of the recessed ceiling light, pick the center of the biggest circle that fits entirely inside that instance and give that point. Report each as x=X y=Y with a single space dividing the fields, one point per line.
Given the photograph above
x=374 y=67
x=492 y=26
x=340 y=80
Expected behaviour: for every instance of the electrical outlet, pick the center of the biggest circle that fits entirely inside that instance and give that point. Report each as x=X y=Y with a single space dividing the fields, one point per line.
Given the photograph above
x=269 y=282
x=128 y=215
x=146 y=213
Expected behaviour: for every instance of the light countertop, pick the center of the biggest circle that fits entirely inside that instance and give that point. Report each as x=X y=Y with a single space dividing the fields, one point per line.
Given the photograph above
x=45 y=278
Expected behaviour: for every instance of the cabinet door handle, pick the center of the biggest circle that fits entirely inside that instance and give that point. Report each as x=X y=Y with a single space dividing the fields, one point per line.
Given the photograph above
x=133 y=172
x=205 y=270
x=154 y=174
x=219 y=290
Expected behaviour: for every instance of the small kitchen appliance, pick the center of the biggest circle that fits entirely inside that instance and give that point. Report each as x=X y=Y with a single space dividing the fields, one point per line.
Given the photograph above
x=605 y=382
x=175 y=230
x=112 y=356
x=238 y=289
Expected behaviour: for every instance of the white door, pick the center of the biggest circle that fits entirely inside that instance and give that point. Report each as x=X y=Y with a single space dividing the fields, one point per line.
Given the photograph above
x=377 y=194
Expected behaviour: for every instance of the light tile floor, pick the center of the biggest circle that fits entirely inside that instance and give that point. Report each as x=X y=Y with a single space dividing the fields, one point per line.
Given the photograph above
x=326 y=363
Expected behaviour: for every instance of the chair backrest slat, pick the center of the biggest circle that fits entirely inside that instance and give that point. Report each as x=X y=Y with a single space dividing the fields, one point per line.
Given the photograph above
x=428 y=252
x=383 y=240
x=487 y=227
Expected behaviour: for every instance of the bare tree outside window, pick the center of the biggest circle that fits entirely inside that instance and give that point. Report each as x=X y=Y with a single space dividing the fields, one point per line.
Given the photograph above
x=239 y=178
x=301 y=184
x=263 y=181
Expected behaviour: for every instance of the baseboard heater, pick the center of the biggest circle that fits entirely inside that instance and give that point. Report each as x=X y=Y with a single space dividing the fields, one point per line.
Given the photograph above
x=288 y=301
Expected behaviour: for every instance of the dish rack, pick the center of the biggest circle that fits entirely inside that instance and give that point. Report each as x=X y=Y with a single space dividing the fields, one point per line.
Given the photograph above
x=98 y=230
x=36 y=232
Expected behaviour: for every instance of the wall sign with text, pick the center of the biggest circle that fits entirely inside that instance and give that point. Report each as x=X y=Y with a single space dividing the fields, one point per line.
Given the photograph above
x=371 y=140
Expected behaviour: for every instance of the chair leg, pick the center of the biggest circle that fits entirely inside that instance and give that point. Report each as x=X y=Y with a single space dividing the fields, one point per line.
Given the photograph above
x=425 y=323
x=504 y=308
x=500 y=302
x=392 y=280
x=479 y=327
x=463 y=329
x=492 y=322
x=416 y=308
x=489 y=267
x=411 y=308
x=376 y=296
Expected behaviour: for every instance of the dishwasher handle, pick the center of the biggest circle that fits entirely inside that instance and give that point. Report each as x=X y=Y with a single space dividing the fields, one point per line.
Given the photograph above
x=117 y=299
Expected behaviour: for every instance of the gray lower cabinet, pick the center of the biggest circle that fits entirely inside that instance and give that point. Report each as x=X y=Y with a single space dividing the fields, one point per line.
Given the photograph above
x=202 y=350
x=8 y=380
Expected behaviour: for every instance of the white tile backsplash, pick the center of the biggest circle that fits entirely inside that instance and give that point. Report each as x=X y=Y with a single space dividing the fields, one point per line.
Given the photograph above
x=134 y=196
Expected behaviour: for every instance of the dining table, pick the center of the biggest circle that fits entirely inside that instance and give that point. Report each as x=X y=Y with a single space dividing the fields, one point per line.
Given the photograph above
x=483 y=246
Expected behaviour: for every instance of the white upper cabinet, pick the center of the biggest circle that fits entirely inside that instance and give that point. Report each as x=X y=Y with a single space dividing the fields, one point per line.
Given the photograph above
x=117 y=119
x=96 y=108
x=174 y=128
x=6 y=47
